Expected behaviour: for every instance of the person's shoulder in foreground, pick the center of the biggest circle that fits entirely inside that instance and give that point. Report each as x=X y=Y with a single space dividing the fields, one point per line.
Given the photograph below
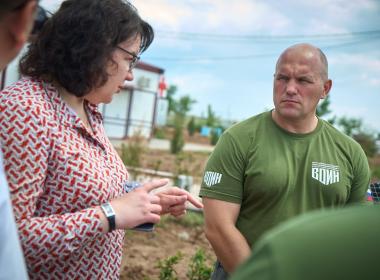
x=333 y=244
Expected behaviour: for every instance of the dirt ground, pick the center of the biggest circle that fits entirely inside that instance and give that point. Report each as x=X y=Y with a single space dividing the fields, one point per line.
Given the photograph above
x=142 y=251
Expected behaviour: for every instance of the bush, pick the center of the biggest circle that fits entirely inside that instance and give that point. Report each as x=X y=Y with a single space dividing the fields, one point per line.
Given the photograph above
x=191 y=127
x=167 y=271
x=198 y=269
x=132 y=152
x=159 y=133
x=376 y=173
x=177 y=143
x=367 y=142
x=214 y=137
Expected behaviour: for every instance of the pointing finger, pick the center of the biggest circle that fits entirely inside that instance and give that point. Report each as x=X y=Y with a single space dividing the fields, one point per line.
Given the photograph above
x=194 y=201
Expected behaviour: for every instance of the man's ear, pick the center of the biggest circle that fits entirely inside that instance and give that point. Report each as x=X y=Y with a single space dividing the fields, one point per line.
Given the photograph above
x=21 y=23
x=326 y=88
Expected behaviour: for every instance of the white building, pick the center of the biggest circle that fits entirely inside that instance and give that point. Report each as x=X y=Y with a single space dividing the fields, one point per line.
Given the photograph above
x=139 y=106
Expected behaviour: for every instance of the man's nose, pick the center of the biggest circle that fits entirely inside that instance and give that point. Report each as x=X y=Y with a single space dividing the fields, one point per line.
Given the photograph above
x=291 y=87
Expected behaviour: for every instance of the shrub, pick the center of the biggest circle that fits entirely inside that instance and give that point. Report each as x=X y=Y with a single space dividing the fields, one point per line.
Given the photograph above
x=191 y=127
x=214 y=137
x=177 y=142
x=191 y=219
x=132 y=152
x=159 y=133
x=198 y=269
x=166 y=266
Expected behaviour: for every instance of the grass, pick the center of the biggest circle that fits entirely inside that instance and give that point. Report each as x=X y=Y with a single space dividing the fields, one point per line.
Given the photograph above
x=191 y=219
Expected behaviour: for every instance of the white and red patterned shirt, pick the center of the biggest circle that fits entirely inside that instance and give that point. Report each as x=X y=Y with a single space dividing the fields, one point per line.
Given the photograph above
x=58 y=172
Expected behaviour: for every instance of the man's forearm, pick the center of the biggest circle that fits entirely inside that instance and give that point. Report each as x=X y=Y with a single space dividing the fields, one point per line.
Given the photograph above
x=230 y=247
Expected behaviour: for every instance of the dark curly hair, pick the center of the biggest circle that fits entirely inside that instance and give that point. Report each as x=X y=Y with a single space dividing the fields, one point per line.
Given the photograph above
x=76 y=43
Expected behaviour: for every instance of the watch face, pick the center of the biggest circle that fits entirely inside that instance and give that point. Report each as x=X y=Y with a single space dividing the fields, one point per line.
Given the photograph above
x=108 y=209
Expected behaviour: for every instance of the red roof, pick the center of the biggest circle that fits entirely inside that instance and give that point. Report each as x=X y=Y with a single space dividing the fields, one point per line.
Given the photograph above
x=149 y=67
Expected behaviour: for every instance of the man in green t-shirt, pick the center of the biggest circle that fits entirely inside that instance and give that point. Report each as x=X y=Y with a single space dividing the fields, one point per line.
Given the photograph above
x=333 y=244
x=279 y=164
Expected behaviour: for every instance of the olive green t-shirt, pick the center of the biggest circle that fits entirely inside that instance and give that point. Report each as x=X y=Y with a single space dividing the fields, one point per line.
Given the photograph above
x=276 y=175
x=328 y=245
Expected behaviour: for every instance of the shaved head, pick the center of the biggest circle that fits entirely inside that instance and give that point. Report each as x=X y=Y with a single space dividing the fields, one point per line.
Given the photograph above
x=308 y=51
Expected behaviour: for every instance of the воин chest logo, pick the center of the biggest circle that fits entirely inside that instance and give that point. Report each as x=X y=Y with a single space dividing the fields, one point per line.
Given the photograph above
x=325 y=173
x=212 y=178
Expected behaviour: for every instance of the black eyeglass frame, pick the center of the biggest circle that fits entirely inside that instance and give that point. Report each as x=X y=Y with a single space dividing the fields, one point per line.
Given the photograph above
x=135 y=58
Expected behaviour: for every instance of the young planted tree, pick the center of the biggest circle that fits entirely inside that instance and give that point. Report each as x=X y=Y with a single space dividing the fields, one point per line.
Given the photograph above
x=191 y=127
x=171 y=91
x=211 y=119
x=182 y=107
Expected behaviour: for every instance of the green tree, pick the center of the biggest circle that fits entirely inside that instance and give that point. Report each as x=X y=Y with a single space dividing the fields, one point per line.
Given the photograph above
x=182 y=107
x=191 y=127
x=211 y=119
x=353 y=127
x=350 y=126
x=171 y=91
x=323 y=109
x=177 y=142
x=367 y=142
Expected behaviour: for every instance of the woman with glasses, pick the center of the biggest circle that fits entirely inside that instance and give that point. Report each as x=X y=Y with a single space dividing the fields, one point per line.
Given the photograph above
x=65 y=177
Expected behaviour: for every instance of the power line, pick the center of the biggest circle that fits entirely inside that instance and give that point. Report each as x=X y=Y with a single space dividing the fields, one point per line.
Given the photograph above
x=197 y=59
x=228 y=37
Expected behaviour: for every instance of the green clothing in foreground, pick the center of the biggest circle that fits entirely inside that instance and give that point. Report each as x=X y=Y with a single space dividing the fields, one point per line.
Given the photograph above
x=276 y=175
x=334 y=244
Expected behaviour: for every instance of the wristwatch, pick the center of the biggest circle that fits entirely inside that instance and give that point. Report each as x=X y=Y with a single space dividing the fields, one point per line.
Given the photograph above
x=110 y=214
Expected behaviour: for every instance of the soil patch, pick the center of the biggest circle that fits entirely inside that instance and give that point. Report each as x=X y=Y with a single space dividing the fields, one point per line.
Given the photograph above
x=142 y=251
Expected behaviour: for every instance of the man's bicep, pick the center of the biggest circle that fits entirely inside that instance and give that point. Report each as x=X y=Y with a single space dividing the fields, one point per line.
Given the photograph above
x=224 y=172
x=361 y=181
x=220 y=212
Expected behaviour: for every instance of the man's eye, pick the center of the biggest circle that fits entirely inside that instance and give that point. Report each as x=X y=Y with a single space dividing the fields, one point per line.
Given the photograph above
x=305 y=81
x=282 y=78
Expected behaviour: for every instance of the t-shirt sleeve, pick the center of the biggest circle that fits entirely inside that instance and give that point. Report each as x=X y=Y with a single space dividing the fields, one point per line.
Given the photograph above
x=361 y=177
x=224 y=173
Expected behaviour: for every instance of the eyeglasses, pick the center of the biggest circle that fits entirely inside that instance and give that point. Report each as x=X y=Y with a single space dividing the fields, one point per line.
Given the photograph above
x=134 y=60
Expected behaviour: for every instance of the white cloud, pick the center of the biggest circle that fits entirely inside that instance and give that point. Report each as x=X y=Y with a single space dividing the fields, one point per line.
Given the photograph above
x=163 y=14
x=338 y=10
x=368 y=67
x=358 y=60
x=375 y=82
x=196 y=84
x=319 y=26
x=219 y=16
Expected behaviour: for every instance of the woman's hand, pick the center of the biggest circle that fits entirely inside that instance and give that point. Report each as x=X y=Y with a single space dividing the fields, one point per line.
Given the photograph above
x=173 y=201
x=138 y=206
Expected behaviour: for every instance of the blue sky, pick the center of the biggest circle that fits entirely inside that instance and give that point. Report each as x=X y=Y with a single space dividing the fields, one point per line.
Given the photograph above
x=223 y=52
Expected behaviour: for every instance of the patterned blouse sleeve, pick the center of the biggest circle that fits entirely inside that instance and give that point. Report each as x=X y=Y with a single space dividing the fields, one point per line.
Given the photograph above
x=26 y=141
